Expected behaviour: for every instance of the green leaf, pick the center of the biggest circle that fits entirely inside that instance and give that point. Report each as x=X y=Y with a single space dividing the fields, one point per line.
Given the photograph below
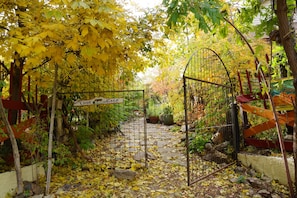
x=223 y=31
x=2 y=84
x=174 y=18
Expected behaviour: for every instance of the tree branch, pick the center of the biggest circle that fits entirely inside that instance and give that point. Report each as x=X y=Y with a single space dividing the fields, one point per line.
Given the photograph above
x=3 y=65
x=3 y=27
x=43 y=63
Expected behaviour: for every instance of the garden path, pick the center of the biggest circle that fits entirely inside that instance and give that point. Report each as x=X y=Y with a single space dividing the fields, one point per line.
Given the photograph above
x=166 y=175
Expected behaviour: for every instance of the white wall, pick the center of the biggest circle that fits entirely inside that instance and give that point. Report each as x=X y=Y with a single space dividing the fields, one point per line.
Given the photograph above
x=8 y=181
x=273 y=167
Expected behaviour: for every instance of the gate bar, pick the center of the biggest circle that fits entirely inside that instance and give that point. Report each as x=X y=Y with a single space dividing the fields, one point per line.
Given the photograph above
x=220 y=85
x=216 y=171
x=187 y=130
x=108 y=91
x=145 y=132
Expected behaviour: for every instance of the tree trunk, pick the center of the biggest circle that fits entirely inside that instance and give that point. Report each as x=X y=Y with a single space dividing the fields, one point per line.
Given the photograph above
x=16 y=155
x=288 y=42
x=51 y=131
x=59 y=121
x=15 y=89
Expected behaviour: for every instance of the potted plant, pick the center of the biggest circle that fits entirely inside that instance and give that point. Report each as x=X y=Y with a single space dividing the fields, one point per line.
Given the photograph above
x=153 y=115
x=167 y=116
x=153 y=110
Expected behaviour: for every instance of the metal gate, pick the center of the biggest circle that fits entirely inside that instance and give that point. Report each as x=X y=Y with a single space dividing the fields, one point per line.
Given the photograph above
x=208 y=98
x=118 y=120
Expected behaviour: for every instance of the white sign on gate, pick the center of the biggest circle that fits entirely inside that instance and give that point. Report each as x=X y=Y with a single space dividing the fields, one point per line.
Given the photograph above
x=97 y=101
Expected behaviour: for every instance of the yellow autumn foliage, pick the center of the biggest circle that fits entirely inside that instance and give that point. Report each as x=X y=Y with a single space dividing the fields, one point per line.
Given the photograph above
x=80 y=36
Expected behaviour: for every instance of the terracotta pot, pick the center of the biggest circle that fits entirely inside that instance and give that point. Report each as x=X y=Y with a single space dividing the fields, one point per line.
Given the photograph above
x=154 y=119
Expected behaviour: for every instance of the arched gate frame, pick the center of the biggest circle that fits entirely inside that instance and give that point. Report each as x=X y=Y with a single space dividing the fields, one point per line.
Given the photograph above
x=209 y=108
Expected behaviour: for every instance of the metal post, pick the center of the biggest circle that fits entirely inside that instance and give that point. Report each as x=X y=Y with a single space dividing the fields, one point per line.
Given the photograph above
x=145 y=131
x=187 y=134
x=235 y=129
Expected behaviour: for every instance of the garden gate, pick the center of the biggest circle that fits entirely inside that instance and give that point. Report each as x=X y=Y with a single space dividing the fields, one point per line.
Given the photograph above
x=209 y=109
x=118 y=120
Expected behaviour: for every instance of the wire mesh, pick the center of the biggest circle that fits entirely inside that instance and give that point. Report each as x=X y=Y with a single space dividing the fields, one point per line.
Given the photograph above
x=118 y=121
x=208 y=95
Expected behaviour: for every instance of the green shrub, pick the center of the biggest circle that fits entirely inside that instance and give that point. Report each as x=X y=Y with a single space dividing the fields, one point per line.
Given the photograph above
x=85 y=135
x=62 y=155
x=198 y=142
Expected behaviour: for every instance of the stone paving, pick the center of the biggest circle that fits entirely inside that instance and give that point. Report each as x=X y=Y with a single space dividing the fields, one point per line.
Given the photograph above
x=167 y=143
x=159 y=139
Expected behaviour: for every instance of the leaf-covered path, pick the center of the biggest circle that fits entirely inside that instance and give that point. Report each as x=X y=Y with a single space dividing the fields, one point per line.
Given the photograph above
x=166 y=175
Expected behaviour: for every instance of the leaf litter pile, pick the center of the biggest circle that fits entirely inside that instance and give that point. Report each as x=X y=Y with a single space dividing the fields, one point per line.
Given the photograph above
x=164 y=176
